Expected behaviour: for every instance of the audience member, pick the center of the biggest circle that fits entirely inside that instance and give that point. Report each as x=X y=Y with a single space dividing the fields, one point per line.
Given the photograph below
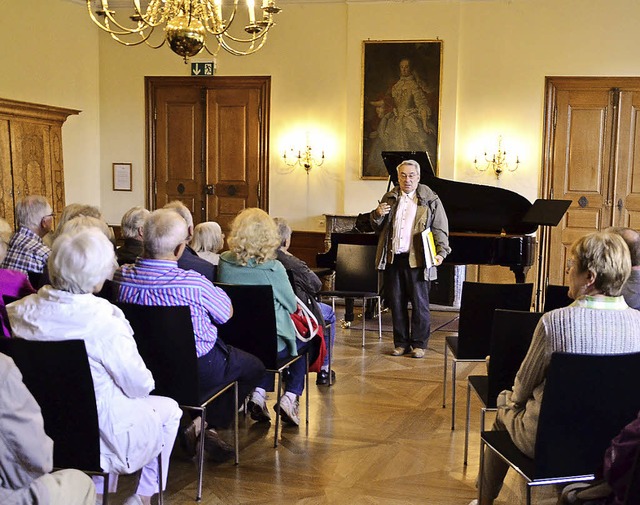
x=156 y=279
x=69 y=212
x=134 y=426
x=306 y=285
x=631 y=289
x=26 y=452
x=207 y=241
x=26 y=252
x=12 y=282
x=190 y=259
x=253 y=241
x=132 y=228
x=597 y=322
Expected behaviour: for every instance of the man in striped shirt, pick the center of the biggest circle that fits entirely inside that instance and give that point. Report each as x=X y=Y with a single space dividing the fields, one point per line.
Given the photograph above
x=156 y=279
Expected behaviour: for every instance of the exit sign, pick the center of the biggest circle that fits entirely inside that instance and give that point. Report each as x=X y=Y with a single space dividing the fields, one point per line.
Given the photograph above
x=202 y=68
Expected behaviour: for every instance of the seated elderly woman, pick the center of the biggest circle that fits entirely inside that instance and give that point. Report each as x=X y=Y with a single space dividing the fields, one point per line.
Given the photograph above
x=207 y=241
x=134 y=426
x=597 y=322
x=253 y=242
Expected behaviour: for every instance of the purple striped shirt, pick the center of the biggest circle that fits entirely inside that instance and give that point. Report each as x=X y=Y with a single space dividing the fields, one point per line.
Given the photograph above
x=161 y=282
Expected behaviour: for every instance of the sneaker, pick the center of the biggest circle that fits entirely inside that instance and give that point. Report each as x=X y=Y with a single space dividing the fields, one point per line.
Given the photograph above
x=473 y=502
x=345 y=324
x=399 y=351
x=289 y=410
x=417 y=352
x=217 y=449
x=322 y=377
x=257 y=408
x=134 y=499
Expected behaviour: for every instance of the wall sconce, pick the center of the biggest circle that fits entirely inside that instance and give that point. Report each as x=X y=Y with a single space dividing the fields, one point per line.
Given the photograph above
x=497 y=161
x=303 y=157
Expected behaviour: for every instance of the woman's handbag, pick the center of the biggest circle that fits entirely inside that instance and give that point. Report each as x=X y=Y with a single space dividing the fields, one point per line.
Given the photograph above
x=307 y=328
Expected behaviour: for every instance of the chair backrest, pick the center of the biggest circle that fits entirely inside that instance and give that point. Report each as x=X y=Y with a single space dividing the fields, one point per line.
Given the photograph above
x=510 y=339
x=252 y=327
x=164 y=336
x=556 y=297
x=478 y=302
x=58 y=376
x=587 y=400
x=356 y=268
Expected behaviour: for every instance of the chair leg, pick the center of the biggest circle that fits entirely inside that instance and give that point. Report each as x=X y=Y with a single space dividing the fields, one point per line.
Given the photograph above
x=481 y=470
x=200 y=453
x=466 y=430
x=379 y=320
x=364 y=319
x=105 y=489
x=275 y=438
x=444 y=379
x=454 y=364
x=329 y=343
x=160 y=493
x=528 y=494
x=306 y=386
x=235 y=421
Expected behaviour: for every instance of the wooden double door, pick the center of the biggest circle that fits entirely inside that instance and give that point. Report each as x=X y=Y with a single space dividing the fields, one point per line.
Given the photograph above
x=591 y=157
x=208 y=144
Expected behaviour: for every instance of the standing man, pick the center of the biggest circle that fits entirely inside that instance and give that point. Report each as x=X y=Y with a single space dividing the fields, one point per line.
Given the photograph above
x=399 y=219
x=27 y=252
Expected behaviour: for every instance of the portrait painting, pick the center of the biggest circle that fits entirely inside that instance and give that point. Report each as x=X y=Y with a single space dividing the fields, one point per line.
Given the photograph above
x=401 y=101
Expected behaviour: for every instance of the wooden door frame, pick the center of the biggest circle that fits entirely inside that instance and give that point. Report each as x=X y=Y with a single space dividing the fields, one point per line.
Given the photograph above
x=263 y=83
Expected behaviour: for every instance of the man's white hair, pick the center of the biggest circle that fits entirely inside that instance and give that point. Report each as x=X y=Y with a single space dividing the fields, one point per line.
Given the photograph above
x=164 y=230
x=132 y=220
x=411 y=163
x=81 y=260
x=181 y=208
x=30 y=210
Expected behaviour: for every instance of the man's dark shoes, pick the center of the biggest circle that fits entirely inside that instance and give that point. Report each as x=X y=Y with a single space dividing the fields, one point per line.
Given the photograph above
x=322 y=377
x=189 y=437
x=217 y=449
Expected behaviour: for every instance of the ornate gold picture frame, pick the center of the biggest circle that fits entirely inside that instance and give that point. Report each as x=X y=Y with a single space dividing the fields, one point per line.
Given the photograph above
x=400 y=101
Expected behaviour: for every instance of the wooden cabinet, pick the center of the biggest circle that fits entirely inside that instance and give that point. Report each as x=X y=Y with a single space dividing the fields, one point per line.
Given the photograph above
x=31 y=154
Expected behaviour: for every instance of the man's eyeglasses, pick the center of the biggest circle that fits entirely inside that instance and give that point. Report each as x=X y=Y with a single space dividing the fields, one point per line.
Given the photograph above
x=408 y=176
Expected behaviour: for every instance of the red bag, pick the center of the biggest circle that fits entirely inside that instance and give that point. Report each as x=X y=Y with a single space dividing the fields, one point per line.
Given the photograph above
x=307 y=328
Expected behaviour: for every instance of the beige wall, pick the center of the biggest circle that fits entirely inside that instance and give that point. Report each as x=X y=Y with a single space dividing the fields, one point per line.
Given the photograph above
x=496 y=55
x=58 y=66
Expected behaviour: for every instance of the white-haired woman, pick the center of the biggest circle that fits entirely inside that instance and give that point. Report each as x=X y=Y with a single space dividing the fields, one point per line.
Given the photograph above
x=207 y=241
x=134 y=427
x=598 y=322
x=253 y=242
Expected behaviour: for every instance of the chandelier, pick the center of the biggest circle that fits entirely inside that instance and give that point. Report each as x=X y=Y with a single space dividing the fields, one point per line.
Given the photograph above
x=186 y=24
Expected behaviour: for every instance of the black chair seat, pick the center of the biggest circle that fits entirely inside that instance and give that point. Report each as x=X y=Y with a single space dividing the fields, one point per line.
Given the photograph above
x=350 y=294
x=452 y=343
x=500 y=441
x=480 y=384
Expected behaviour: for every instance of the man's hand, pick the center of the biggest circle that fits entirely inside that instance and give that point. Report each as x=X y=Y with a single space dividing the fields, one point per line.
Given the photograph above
x=438 y=260
x=383 y=209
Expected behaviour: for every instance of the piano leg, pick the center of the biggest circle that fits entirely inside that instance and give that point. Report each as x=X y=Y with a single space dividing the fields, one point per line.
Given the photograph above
x=520 y=272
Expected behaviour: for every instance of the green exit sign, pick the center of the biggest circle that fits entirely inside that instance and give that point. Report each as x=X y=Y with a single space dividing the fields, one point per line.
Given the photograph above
x=202 y=68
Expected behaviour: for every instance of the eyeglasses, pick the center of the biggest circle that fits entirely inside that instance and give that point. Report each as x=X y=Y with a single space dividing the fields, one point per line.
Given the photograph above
x=570 y=264
x=408 y=176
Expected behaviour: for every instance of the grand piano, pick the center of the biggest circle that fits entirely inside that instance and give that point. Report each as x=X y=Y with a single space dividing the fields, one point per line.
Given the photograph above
x=487 y=225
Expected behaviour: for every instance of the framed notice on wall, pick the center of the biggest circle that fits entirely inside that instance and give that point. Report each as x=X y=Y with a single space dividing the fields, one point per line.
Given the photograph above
x=400 y=101
x=122 y=176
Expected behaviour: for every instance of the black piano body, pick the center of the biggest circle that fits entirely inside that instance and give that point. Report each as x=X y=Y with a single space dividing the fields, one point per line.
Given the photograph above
x=487 y=225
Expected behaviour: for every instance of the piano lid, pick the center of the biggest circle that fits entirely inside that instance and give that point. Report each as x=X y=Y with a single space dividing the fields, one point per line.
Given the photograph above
x=471 y=208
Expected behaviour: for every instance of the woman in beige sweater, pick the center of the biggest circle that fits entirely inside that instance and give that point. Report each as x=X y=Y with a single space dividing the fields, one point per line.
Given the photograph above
x=597 y=322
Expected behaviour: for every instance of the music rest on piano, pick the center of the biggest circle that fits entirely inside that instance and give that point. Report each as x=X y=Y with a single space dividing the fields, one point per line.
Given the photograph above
x=487 y=225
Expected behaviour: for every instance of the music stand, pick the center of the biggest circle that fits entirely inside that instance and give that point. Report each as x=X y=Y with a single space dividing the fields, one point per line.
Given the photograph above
x=544 y=213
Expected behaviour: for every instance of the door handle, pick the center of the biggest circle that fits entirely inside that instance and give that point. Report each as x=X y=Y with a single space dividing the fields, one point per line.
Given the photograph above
x=620 y=205
x=209 y=189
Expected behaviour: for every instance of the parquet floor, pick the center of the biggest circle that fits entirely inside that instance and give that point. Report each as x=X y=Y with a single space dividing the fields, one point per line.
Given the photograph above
x=379 y=435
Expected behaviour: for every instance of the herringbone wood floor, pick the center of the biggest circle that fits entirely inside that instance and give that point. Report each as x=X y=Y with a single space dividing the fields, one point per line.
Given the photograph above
x=378 y=436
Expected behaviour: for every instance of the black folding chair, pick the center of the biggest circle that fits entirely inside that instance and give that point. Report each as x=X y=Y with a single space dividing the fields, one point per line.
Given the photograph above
x=510 y=338
x=478 y=302
x=164 y=336
x=252 y=328
x=58 y=376
x=556 y=297
x=356 y=277
x=587 y=400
